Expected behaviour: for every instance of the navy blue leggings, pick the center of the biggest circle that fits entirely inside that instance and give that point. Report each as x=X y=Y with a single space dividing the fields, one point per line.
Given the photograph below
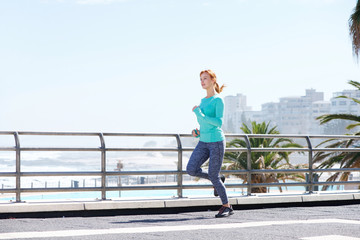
x=202 y=152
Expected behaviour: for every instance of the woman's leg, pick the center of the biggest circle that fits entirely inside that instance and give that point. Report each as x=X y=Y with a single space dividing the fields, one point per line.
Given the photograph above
x=198 y=157
x=217 y=150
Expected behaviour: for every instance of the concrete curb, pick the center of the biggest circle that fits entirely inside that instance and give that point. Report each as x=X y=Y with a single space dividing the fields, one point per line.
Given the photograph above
x=40 y=207
x=126 y=204
x=112 y=204
x=246 y=200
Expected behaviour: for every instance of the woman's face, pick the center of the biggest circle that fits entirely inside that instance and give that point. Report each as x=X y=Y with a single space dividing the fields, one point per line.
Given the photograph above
x=206 y=81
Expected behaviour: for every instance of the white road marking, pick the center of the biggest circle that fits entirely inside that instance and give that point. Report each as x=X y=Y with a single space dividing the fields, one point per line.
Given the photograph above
x=330 y=237
x=88 y=232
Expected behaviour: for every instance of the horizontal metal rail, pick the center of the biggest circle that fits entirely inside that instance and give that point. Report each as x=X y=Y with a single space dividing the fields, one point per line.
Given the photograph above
x=38 y=149
x=136 y=173
x=179 y=186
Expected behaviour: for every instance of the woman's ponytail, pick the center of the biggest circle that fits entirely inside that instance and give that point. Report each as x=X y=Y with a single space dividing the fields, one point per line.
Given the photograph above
x=219 y=89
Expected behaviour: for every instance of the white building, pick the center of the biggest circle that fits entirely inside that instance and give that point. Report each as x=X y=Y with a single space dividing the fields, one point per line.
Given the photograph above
x=249 y=116
x=270 y=113
x=235 y=107
x=344 y=105
x=319 y=108
x=293 y=115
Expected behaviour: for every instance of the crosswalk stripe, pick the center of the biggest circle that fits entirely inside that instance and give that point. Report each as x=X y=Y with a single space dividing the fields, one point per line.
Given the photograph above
x=330 y=237
x=88 y=232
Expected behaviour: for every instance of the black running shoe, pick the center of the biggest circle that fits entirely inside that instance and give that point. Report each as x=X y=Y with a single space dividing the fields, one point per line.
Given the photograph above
x=223 y=180
x=225 y=212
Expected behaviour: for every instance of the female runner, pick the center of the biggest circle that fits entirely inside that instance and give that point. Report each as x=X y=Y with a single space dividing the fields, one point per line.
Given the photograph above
x=212 y=140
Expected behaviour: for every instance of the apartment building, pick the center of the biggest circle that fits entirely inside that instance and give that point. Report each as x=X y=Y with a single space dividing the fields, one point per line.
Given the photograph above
x=292 y=115
x=234 y=113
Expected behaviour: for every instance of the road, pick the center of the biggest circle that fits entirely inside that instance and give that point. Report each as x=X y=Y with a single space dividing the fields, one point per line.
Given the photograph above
x=307 y=223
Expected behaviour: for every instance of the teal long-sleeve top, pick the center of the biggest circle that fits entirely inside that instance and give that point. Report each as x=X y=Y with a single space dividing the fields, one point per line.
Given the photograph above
x=210 y=115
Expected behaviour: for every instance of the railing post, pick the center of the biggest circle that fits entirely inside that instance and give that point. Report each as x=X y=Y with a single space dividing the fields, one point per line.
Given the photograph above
x=179 y=167
x=248 y=146
x=18 y=165
x=311 y=172
x=103 y=167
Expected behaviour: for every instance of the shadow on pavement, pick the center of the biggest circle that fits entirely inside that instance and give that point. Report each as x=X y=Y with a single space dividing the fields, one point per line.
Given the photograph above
x=160 y=220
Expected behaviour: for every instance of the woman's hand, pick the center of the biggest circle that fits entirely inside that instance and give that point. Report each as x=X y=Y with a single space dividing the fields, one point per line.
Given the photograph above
x=196 y=132
x=195 y=107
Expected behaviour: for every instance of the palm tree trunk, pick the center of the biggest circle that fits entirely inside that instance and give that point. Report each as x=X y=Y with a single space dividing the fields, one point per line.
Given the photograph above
x=258 y=178
x=259 y=190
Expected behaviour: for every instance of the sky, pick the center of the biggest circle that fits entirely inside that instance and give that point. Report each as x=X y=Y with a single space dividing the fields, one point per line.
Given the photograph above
x=133 y=65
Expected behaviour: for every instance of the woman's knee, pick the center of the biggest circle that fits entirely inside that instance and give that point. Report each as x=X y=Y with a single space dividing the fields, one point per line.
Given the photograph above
x=214 y=177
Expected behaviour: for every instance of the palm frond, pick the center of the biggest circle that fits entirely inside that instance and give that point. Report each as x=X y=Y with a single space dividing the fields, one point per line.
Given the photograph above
x=281 y=140
x=237 y=143
x=329 y=163
x=329 y=117
x=292 y=145
x=245 y=129
x=350 y=160
x=344 y=176
x=273 y=130
x=326 y=141
x=351 y=126
x=355 y=84
x=332 y=178
x=320 y=156
x=336 y=144
x=350 y=98
x=354 y=28
x=356 y=164
x=349 y=143
x=275 y=163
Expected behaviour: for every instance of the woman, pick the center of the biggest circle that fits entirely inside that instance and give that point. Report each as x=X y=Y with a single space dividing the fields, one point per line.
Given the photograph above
x=212 y=140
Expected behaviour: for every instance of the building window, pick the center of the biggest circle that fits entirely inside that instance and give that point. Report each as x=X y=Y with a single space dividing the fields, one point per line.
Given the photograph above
x=333 y=103
x=342 y=103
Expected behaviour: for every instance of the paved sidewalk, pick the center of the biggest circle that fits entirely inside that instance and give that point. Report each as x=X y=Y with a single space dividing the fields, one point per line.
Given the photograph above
x=298 y=223
x=261 y=200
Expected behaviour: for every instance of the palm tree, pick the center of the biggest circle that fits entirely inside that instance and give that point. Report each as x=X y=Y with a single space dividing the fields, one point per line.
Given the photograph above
x=262 y=160
x=343 y=159
x=354 y=27
x=350 y=117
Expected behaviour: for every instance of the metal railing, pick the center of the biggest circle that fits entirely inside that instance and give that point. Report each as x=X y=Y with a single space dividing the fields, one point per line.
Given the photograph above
x=103 y=173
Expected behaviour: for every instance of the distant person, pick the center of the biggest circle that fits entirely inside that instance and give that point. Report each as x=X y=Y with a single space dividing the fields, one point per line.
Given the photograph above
x=212 y=140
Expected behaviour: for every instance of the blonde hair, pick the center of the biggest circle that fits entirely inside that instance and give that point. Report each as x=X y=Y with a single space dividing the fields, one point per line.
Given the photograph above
x=213 y=76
